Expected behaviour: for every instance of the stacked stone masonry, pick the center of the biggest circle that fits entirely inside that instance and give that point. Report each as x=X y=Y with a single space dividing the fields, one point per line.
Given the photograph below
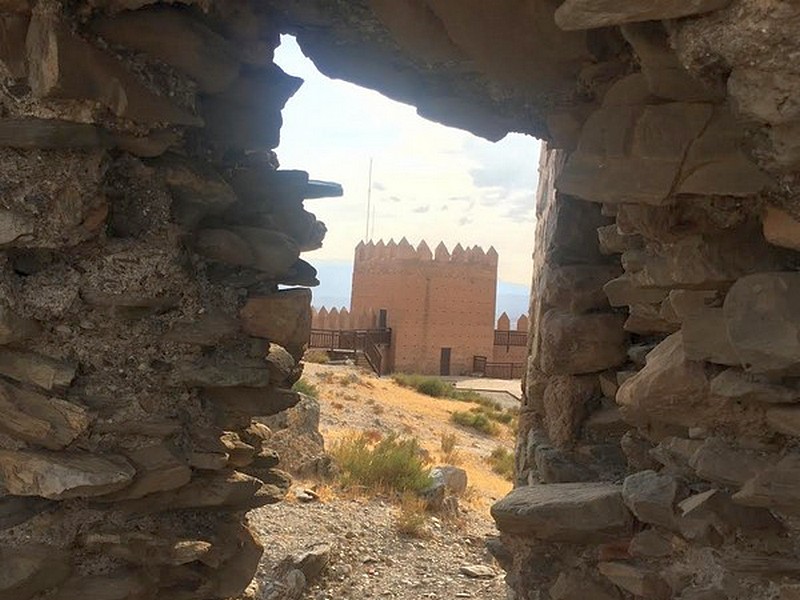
x=145 y=229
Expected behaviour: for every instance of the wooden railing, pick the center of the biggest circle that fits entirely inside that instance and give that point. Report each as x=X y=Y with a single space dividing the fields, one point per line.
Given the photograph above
x=510 y=338
x=364 y=340
x=500 y=370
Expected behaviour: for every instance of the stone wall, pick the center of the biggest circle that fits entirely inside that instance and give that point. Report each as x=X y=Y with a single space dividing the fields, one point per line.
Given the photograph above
x=433 y=300
x=657 y=453
x=144 y=231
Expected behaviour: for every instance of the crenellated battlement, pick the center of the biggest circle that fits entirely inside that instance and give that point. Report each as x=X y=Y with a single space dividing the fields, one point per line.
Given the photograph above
x=391 y=251
x=342 y=319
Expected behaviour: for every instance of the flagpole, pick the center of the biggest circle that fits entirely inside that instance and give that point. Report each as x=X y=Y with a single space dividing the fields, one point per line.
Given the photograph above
x=369 y=201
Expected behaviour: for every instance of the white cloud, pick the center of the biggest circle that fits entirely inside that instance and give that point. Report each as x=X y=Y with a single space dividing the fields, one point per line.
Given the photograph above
x=481 y=192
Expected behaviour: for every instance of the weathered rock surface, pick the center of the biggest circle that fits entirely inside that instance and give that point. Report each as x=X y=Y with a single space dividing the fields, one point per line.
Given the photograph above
x=47 y=421
x=724 y=463
x=774 y=486
x=568 y=512
x=31 y=569
x=284 y=318
x=651 y=497
x=573 y=344
x=62 y=475
x=762 y=325
x=583 y=14
x=670 y=388
x=639 y=581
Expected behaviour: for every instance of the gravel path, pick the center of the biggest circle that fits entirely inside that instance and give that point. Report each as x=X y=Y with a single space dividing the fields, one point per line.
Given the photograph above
x=369 y=558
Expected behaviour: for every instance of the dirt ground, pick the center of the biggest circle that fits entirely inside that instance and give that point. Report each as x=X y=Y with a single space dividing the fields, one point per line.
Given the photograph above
x=369 y=558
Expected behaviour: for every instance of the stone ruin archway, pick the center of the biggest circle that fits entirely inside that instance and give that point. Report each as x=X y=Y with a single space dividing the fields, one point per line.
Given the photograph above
x=145 y=232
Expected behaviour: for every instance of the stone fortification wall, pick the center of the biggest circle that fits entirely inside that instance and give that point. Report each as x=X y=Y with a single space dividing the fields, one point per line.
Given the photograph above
x=510 y=352
x=342 y=319
x=433 y=301
x=657 y=453
x=144 y=231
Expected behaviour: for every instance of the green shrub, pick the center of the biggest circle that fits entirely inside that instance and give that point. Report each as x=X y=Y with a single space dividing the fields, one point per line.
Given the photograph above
x=476 y=420
x=304 y=387
x=437 y=388
x=392 y=463
x=502 y=462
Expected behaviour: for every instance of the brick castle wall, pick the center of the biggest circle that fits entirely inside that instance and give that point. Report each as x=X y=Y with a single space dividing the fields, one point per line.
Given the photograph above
x=433 y=301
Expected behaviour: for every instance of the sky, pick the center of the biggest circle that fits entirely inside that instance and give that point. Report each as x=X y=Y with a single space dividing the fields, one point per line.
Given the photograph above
x=429 y=181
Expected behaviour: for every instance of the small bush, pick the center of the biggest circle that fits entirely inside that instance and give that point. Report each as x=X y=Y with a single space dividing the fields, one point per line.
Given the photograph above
x=319 y=357
x=448 y=443
x=502 y=462
x=437 y=388
x=411 y=519
x=392 y=463
x=304 y=387
x=474 y=420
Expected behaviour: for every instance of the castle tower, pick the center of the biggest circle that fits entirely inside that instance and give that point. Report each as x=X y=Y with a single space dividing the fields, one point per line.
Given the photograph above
x=440 y=306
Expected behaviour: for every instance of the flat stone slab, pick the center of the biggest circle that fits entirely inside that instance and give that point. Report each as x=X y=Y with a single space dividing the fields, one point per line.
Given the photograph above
x=564 y=512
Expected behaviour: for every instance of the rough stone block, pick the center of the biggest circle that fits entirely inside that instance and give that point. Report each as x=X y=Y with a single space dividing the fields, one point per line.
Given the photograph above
x=567 y=512
x=669 y=389
x=37 y=369
x=578 y=586
x=713 y=511
x=37 y=419
x=785 y=419
x=645 y=319
x=271 y=252
x=613 y=242
x=763 y=323
x=705 y=337
x=251 y=401
x=651 y=497
x=30 y=569
x=63 y=65
x=781 y=228
x=157 y=469
x=774 y=486
x=745 y=387
x=566 y=400
x=623 y=292
x=215 y=373
x=636 y=580
x=574 y=344
x=246 y=115
x=283 y=318
x=577 y=288
x=590 y=14
x=557 y=466
x=63 y=475
x=175 y=38
x=651 y=543
x=662 y=71
x=723 y=463
x=765 y=95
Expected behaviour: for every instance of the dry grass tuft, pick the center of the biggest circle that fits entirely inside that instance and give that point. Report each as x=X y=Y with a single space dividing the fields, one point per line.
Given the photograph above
x=411 y=518
x=448 y=443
